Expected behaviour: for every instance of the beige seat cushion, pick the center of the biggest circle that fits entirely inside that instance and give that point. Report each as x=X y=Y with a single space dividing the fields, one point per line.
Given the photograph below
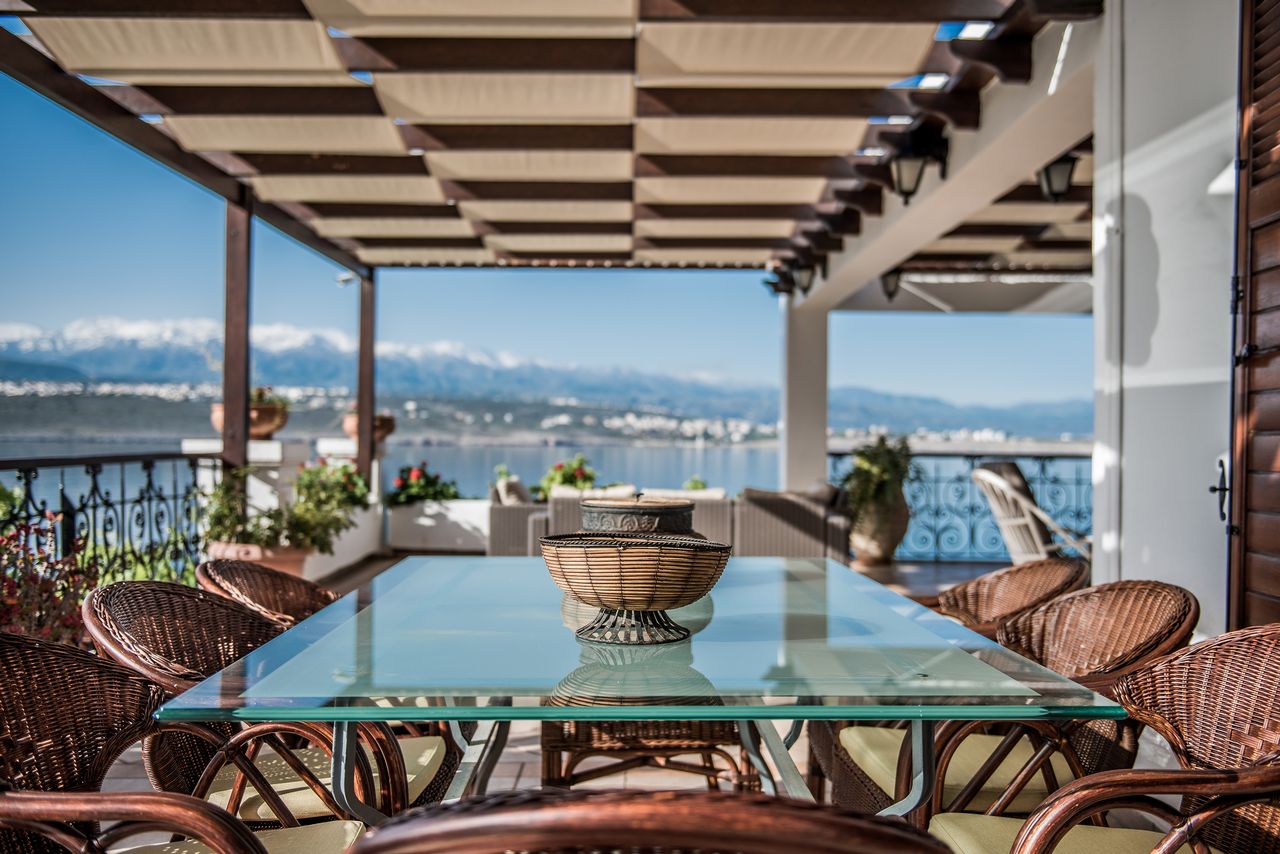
x=876 y=749
x=326 y=837
x=422 y=759
x=985 y=834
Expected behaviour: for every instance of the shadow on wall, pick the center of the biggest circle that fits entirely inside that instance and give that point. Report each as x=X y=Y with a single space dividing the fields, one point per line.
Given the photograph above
x=1141 y=275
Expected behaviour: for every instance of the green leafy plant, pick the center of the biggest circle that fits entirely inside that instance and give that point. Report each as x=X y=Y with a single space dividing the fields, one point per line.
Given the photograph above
x=501 y=472
x=418 y=483
x=40 y=593
x=695 y=482
x=575 y=472
x=10 y=503
x=877 y=475
x=313 y=521
x=333 y=482
x=264 y=396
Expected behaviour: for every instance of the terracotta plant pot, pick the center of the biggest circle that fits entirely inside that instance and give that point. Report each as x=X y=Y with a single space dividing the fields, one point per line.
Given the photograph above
x=383 y=426
x=282 y=559
x=264 y=419
x=879 y=532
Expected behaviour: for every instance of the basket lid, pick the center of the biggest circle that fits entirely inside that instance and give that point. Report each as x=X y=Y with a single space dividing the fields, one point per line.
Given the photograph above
x=643 y=505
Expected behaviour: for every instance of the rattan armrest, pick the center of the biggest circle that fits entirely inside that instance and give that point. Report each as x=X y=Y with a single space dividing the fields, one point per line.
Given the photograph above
x=52 y=814
x=1134 y=789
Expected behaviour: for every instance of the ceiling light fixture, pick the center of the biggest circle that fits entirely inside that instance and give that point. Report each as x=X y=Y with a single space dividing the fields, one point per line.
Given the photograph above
x=1055 y=179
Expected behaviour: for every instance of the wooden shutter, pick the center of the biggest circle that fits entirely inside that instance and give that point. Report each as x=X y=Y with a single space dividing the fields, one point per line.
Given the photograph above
x=1255 y=506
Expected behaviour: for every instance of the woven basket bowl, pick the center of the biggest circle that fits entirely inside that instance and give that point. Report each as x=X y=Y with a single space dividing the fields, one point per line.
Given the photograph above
x=634 y=572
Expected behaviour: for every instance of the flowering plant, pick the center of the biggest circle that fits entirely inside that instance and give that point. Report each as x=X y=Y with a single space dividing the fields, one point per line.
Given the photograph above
x=417 y=483
x=576 y=472
x=40 y=593
x=334 y=482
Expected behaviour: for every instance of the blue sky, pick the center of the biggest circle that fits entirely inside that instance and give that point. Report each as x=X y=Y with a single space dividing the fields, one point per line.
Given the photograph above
x=89 y=227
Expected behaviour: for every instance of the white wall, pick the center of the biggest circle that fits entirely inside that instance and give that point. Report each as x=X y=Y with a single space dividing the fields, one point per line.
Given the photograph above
x=1164 y=128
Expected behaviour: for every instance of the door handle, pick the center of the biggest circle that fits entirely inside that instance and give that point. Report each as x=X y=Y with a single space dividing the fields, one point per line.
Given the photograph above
x=1221 y=490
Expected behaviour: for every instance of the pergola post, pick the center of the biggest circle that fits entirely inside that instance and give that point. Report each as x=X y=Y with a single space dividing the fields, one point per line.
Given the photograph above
x=803 y=408
x=366 y=379
x=235 y=342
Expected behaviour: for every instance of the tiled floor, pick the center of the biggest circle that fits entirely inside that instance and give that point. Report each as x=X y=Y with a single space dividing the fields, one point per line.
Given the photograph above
x=521 y=765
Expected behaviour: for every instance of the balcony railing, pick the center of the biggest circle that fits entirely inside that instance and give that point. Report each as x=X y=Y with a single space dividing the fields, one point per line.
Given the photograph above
x=136 y=515
x=950 y=517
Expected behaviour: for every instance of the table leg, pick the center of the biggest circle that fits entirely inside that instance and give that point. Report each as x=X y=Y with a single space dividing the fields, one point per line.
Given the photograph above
x=923 y=770
x=790 y=782
x=346 y=744
x=478 y=761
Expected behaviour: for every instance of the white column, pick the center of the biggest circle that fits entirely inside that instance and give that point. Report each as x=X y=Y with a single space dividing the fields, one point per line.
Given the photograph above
x=803 y=408
x=1165 y=129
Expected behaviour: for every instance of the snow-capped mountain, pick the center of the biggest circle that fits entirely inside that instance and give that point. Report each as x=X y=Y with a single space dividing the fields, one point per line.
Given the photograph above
x=190 y=351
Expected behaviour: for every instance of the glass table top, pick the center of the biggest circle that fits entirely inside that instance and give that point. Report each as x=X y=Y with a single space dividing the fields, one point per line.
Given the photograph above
x=483 y=638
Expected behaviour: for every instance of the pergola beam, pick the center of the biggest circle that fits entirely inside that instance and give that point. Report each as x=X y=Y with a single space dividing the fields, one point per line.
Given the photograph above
x=366 y=379
x=235 y=339
x=41 y=74
x=863 y=11
x=657 y=165
x=504 y=54
x=822 y=103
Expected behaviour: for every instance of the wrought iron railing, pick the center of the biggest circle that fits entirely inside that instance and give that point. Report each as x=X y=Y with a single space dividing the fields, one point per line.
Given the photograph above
x=136 y=516
x=950 y=517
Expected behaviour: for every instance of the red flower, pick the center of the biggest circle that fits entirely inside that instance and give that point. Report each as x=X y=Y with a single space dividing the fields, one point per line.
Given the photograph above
x=559 y=466
x=415 y=474
x=399 y=482
x=579 y=473
x=321 y=461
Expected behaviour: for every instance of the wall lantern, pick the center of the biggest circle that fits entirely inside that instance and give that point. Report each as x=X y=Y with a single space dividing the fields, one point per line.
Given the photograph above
x=1055 y=179
x=804 y=278
x=919 y=145
x=890 y=282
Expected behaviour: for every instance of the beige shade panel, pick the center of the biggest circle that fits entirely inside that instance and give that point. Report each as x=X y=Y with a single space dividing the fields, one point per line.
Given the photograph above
x=991 y=245
x=780 y=191
x=558 y=242
x=1084 y=170
x=403 y=189
x=535 y=211
x=1080 y=230
x=531 y=165
x=1051 y=258
x=392 y=227
x=407 y=255
x=764 y=228
x=708 y=256
x=288 y=134
x=507 y=98
x=1030 y=212
x=773 y=54
x=193 y=50
x=772 y=136
x=484 y=18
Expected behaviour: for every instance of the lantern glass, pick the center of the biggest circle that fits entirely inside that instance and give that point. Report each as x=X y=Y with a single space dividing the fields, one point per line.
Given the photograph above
x=908 y=171
x=1055 y=179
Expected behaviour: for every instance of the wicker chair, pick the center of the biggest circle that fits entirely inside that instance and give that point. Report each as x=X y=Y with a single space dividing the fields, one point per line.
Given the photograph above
x=278 y=596
x=1094 y=636
x=985 y=602
x=65 y=717
x=1215 y=704
x=177 y=636
x=1029 y=533
x=640 y=823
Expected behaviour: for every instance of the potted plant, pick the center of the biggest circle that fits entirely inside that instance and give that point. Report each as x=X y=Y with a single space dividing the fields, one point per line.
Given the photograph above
x=384 y=424
x=877 y=505
x=426 y=513
x=694 y=483
x=268 y=412
x=40 y=593
x=279 y=537
x=576 y=472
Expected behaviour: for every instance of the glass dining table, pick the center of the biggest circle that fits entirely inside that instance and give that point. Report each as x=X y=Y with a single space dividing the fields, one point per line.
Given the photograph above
x=491 y=639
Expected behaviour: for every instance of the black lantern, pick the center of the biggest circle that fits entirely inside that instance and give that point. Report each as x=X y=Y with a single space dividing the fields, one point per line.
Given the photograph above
x=919 y=145
x=890 y=281
x=1055 y=179
x=908 y=171
x=804 y=278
